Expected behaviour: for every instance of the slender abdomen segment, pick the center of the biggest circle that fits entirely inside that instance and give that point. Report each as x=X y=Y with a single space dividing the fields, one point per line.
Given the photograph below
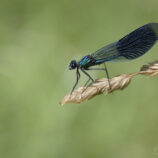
x=138 y=42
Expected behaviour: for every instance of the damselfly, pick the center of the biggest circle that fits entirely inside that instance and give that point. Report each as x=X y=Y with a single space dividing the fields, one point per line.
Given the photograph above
x=129 y=47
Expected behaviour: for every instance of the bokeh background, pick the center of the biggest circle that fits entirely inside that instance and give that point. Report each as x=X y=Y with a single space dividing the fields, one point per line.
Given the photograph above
x=38 y=39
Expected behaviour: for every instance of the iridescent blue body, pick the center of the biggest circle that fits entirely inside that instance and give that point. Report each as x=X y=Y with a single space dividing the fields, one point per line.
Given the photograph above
x=132 y=46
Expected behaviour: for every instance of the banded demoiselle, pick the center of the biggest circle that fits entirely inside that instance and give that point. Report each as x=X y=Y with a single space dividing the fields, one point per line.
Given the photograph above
x=130 y=47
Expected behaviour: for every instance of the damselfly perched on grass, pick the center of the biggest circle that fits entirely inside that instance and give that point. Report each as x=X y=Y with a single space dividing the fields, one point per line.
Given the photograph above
x=129 y=47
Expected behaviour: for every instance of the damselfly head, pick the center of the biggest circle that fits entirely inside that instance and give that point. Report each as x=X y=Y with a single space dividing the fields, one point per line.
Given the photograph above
x=73 y=65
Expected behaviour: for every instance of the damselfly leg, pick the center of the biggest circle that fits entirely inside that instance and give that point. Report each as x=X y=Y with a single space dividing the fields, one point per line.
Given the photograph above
x=90 y=78
x=77 y=79
x=87 y=82
x=106 y=71
x=107 y=74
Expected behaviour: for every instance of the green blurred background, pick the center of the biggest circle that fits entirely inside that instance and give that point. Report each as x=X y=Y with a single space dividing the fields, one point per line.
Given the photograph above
x=38 y=39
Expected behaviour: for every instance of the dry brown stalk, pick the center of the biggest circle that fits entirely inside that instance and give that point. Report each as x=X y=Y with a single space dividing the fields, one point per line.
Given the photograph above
x=102 y=85
x=151 y=69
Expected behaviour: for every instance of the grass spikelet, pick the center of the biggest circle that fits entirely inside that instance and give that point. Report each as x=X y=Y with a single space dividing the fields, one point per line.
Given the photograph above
x=102 y=85
x=151 y=69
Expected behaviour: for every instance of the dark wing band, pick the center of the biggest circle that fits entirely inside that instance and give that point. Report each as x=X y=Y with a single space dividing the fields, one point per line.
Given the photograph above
x=137 y=42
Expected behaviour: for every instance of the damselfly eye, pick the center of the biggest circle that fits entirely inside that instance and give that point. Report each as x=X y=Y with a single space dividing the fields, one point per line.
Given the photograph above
x=73 y=65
